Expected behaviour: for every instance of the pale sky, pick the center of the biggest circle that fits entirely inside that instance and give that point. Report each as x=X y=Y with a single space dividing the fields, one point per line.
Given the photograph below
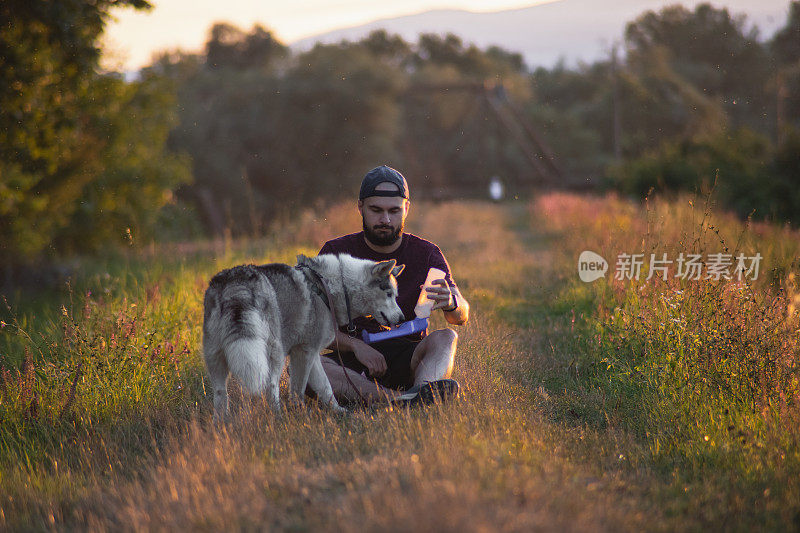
x=133 y=36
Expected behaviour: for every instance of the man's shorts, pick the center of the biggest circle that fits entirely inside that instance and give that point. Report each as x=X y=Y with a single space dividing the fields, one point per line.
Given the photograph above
x=397 y=352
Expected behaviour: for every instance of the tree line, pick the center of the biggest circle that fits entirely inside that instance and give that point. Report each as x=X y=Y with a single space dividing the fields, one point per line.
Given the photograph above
x=228 y=139
x=84 y=160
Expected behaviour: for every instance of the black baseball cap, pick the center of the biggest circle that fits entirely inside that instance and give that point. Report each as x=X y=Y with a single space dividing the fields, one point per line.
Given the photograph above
x=379 y=175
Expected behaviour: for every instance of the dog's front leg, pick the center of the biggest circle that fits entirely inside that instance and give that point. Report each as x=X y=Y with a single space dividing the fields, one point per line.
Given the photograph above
x=300 y=359
x=320 y=384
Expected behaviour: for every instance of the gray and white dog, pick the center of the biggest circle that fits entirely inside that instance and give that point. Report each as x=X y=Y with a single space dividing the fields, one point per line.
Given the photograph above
x=256 y=316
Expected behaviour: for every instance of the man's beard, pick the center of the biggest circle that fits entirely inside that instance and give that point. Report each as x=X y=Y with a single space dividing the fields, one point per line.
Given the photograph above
x=383 y=238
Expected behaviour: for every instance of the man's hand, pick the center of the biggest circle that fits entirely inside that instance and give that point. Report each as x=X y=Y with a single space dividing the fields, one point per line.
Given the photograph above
x=441 y=295
x=370 y=358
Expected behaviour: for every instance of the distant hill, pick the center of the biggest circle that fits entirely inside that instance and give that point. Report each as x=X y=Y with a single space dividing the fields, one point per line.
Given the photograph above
x=573 y=30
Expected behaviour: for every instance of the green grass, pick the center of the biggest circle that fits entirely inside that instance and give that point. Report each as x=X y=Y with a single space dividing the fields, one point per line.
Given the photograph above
x=702 y=374
x=586 y=406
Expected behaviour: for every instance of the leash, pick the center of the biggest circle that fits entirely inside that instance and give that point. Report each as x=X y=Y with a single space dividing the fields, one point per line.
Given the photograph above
x=351 y=328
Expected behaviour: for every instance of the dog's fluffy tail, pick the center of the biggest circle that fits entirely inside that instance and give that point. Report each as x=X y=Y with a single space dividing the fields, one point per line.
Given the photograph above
x=248 y=361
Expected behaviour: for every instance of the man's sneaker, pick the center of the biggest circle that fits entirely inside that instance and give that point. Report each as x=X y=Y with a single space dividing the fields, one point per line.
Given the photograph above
x=441 y=390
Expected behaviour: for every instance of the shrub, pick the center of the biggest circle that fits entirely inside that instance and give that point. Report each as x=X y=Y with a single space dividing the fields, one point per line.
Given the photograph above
x=749 y=175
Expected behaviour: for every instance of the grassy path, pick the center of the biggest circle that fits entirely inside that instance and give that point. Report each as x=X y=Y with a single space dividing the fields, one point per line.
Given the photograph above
x=532 y=444
x=492 y=461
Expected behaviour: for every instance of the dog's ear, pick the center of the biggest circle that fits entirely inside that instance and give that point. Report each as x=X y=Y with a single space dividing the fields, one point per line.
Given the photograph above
x=383 y=269
x=397 y=270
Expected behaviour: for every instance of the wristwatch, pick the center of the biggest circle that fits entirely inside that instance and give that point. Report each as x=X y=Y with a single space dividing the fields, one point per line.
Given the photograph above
x=455 y=304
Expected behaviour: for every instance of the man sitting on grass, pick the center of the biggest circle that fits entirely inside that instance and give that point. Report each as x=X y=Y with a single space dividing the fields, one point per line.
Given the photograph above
x=411 y=369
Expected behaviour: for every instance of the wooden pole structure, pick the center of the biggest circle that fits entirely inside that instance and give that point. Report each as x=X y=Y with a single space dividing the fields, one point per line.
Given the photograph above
x=617 y=132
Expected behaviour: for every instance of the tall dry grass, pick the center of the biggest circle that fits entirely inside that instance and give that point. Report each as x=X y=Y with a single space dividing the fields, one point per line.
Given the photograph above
x=552 y=430
x=137 y=449
x=704 y=373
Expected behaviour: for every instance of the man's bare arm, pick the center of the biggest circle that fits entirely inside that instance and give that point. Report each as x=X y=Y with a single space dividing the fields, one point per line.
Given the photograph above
x=460 y=315
x=366 y=354
x=445 y=297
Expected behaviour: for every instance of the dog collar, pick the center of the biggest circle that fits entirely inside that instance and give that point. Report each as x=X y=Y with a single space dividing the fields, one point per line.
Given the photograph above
x=318 y=287
x=314 y=282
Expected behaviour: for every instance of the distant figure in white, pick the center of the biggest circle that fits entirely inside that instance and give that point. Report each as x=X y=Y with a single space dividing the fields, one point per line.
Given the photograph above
x=496 y=189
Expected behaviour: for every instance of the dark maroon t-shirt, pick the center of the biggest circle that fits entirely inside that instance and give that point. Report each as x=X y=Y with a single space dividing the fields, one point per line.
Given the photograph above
x=418 y=256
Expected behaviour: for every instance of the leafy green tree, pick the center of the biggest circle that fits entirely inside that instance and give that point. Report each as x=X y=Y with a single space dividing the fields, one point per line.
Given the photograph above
x=785 y=49
x=129 y=123
x=710 y=49
x=48 y=50
x=784 y=193
x=737 y=163
x=452 y=138
x=658 y=104
x=785 y=44
x=228 y=46
x=343 y=115
x=53 y=144
x=470 y=61
x=574 y=110
x=265 y=139
x=390 y=49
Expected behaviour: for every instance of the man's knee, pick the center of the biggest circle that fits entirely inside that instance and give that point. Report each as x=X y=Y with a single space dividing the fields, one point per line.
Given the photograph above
x=329 y=364
x=445 y=336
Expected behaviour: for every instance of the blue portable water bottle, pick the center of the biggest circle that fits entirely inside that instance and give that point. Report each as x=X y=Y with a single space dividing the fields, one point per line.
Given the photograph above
x=422 y=311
